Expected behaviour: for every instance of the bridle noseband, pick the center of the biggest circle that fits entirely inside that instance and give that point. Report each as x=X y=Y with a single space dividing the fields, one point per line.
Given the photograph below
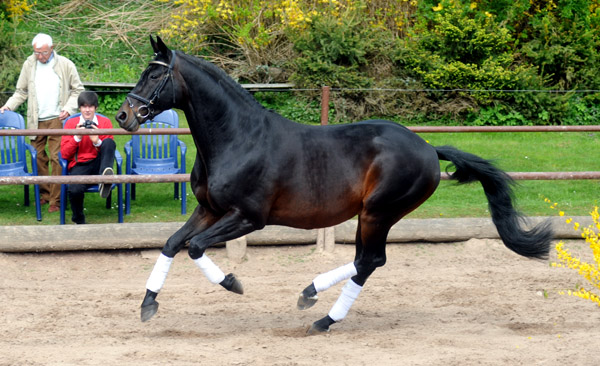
x=146 y=111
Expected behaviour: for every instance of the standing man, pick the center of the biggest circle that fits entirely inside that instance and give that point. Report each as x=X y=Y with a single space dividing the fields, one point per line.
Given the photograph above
x=50 y=84
x=87 y=154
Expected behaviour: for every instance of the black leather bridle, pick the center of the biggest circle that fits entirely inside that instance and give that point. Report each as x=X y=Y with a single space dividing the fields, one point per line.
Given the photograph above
x=145 y=110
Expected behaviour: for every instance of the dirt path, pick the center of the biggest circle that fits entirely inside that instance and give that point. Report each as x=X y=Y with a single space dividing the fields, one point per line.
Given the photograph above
x=471 y=303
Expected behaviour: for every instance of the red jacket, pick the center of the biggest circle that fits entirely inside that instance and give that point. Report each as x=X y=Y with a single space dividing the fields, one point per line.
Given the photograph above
x=79 y=152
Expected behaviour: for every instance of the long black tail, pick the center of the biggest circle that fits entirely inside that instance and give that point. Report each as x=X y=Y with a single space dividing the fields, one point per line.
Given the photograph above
x=497 y=184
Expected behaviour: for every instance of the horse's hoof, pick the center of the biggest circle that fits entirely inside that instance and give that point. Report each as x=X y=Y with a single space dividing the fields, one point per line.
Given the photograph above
x=231 y=283
x=149 y=310
x=237 y=287
x=320 y=326
x=305 y=302
x=317 y=329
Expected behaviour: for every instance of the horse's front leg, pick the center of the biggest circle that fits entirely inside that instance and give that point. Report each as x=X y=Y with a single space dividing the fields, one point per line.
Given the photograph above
x=231 y=226
x=195 y=224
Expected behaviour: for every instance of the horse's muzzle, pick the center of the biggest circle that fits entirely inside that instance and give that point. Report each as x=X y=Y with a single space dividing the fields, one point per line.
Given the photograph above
x=127 y=122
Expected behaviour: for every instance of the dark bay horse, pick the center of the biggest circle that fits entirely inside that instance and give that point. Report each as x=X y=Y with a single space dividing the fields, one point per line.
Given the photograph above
x=255 y=168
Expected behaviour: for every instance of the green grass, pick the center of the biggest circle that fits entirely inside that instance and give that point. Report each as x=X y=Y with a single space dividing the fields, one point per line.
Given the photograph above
x=521 y=152
x=515 y=152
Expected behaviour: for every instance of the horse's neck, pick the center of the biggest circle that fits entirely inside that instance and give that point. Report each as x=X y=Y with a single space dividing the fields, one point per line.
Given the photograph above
x=220 y=126
x=221 y=114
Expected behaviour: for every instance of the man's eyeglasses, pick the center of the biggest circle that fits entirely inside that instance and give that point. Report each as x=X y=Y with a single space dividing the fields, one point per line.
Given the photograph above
x=43 y=53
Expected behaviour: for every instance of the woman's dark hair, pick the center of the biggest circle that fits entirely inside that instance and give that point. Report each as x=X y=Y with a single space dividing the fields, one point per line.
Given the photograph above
x=87 y=98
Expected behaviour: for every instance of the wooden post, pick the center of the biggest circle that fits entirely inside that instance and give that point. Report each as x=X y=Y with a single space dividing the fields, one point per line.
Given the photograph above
x=326 y=240
x=236 y=249
x=325 y=105
x=325 y=236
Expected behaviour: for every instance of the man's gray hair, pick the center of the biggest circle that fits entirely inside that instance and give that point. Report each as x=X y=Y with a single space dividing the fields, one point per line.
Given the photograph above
x=42 y=39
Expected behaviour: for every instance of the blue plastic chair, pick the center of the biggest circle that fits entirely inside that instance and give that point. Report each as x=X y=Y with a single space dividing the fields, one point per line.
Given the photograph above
x=156 y=154
x=13 y=161
x=94 y=188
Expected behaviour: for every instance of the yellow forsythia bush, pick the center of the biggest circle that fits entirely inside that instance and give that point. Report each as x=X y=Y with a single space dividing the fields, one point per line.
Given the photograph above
x=257 y=24
x=17 y=8
x=589 y=271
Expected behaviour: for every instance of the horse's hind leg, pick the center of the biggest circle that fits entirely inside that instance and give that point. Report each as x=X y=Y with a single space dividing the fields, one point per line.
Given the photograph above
x=322 y=282
x=308 y=297
x=370 y=254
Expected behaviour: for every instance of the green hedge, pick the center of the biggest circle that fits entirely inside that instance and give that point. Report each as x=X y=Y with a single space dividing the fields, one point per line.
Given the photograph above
x=466 y=62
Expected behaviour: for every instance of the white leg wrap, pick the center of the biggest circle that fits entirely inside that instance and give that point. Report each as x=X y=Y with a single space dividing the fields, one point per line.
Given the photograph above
x=210 y=270
x=159 y=273
x=344 y=302
x=325 y=280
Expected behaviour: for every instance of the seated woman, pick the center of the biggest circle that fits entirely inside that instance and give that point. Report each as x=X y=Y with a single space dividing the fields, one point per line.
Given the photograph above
x=87 y=154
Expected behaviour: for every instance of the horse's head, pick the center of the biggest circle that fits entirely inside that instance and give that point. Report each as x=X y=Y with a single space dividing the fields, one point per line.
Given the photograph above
x=153 y=93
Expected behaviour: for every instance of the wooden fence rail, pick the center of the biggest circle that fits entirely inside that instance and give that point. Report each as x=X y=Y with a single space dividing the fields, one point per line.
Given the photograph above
x=166 y=178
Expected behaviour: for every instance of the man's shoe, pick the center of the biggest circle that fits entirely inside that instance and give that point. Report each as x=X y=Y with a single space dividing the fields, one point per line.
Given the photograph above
x=53 y=208
x=80 y=221
x=105 y=187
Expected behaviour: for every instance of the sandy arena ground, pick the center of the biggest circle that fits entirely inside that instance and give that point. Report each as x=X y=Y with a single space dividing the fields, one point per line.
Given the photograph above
x=469 y=303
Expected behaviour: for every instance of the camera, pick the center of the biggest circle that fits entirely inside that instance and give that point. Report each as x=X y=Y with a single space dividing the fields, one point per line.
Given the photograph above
x=89 y=124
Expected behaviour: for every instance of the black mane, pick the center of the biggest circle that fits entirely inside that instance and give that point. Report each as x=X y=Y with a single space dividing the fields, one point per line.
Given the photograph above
x=220 y=77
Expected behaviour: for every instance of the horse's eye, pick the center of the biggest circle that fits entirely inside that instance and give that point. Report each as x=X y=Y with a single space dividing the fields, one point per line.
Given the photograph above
x=153 y=77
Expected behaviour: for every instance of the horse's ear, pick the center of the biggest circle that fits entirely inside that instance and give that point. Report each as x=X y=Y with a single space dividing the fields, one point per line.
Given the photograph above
x=153 y=43
x=162 y=47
